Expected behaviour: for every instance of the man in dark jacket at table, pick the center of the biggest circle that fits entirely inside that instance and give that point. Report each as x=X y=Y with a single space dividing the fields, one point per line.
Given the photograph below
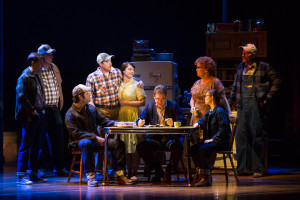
x=82 y=121
x=162 y=112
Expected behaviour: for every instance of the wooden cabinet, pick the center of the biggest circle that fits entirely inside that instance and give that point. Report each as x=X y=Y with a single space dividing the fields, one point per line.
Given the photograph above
x=224 y=49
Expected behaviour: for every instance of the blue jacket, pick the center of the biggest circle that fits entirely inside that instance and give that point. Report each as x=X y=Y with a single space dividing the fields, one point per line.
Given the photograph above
x=150 y=116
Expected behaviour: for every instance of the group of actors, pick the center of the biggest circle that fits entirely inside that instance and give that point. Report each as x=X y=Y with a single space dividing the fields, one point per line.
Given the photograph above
x=111 y=95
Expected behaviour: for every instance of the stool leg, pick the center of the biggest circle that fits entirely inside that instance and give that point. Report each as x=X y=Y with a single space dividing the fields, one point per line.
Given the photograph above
x=80 y=170
x=233 y=169
x=72 y=166
x=225 y=166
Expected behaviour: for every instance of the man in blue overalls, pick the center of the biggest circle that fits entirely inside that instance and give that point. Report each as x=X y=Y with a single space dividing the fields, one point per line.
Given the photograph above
x=255 y=86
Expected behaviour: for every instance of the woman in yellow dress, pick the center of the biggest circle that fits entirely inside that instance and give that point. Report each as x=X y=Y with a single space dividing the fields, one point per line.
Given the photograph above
x=131 y=98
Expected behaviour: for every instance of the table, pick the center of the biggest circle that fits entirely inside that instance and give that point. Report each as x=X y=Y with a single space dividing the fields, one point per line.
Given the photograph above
x=183 y=130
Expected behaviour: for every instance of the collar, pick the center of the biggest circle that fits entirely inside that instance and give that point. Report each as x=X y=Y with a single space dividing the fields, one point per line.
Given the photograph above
x=99 y=70
x=164 y=107
x=253 y=66
x=79 y=109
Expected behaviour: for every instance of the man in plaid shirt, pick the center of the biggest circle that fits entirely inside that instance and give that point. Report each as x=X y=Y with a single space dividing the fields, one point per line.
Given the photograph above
x=255 y=86
x=105 y=83
x=53 y=100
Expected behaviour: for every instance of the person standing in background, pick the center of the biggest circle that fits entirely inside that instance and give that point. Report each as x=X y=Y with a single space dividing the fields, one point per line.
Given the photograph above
x=255 y=87
x=205 y=68
x=30 y=110
x=131 y=98
x=53 y=141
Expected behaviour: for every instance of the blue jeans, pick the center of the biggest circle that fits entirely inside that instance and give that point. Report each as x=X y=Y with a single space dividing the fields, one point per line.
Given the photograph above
x=53 y=141
x=116 y=146
x=30 y=143
x=202 y=153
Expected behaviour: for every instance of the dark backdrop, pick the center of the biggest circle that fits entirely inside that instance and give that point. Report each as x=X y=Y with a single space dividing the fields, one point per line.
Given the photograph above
x=80 y=30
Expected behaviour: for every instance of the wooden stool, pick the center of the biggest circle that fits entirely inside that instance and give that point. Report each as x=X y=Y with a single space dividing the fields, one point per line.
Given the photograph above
x=76 y=153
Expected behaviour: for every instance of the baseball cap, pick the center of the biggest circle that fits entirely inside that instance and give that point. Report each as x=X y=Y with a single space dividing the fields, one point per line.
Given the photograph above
x=249 y=48
x=79 y=89
x=45 y=48
x=104 y=57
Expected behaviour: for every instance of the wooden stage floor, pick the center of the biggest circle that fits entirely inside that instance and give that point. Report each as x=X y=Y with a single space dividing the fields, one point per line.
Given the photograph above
x=279 y=184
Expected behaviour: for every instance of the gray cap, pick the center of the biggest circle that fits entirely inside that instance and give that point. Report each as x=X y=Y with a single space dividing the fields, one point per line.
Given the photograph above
x=45 y=48
x=79 y=89
x=104 y=57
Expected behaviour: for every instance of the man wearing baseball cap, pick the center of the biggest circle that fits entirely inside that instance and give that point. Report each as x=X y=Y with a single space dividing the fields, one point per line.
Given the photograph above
x=255 y=87
x=51 y=82
x=82 y=121
x=105 y=86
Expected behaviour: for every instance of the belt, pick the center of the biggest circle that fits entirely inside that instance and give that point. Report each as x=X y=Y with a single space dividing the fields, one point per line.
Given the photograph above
x=108 y=107
x=51 y=106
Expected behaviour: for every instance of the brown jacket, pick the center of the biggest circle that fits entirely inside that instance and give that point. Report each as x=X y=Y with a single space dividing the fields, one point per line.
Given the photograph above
x=59 y=81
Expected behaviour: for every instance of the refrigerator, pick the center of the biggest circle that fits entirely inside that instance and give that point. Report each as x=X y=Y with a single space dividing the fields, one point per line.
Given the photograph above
x=153 y=73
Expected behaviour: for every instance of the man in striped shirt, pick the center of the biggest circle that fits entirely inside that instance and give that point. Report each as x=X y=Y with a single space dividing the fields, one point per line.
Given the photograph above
x=53 y=100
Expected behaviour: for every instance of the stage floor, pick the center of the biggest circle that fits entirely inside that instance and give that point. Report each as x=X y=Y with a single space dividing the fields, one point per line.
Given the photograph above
x=279 y=184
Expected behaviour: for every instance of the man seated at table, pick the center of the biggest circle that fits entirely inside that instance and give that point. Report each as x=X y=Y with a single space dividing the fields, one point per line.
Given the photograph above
x=162 y=112
x=82 y=120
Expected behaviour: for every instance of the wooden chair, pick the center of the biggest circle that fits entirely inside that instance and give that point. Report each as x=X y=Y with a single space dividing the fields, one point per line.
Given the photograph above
x=76 y=153
x=229 y=153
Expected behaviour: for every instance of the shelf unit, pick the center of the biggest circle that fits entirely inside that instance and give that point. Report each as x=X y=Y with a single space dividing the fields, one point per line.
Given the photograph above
x=224 y=48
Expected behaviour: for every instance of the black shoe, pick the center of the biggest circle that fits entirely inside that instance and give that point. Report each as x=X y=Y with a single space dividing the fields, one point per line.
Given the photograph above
x=167 y=176
x=62 y=173
x=243 y=174
x=158 y=174
x=36 y=179
x=42 y=173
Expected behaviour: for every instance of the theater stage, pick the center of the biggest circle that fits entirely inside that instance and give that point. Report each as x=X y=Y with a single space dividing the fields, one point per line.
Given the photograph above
x=278 y=184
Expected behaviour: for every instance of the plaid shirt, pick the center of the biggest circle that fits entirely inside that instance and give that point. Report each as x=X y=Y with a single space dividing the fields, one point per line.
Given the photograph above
x=105 y=87
x=266 y=82
x=51 y=89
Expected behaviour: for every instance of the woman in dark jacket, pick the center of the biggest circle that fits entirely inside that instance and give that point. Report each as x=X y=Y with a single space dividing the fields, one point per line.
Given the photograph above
x=216 y=135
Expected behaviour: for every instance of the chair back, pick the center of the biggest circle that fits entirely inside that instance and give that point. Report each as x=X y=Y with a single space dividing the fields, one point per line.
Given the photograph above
x=234 y=123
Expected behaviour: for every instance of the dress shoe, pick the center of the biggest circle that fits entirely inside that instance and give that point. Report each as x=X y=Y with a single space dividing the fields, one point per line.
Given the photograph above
x=257 y=175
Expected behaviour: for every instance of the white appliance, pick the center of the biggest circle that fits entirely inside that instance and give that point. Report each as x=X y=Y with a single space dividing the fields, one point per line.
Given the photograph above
x=153 y=73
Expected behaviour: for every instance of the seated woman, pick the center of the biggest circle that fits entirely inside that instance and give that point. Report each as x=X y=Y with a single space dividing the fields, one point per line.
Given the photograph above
x=216 y=135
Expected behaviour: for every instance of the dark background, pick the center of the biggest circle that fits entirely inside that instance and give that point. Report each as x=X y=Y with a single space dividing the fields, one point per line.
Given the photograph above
x=80 y=30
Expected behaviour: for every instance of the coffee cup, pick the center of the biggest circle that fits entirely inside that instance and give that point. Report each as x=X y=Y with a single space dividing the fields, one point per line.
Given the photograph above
x=177 y=124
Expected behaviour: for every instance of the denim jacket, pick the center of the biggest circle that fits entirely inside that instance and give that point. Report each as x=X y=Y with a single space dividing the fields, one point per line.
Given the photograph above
x=216 y=125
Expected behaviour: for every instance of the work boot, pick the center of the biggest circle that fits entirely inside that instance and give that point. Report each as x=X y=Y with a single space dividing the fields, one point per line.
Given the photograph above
x=121 y=179
x=206 y=179
x=91 y=179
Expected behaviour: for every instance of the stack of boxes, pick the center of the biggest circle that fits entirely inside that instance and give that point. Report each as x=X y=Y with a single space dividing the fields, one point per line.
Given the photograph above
x=141 y=51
